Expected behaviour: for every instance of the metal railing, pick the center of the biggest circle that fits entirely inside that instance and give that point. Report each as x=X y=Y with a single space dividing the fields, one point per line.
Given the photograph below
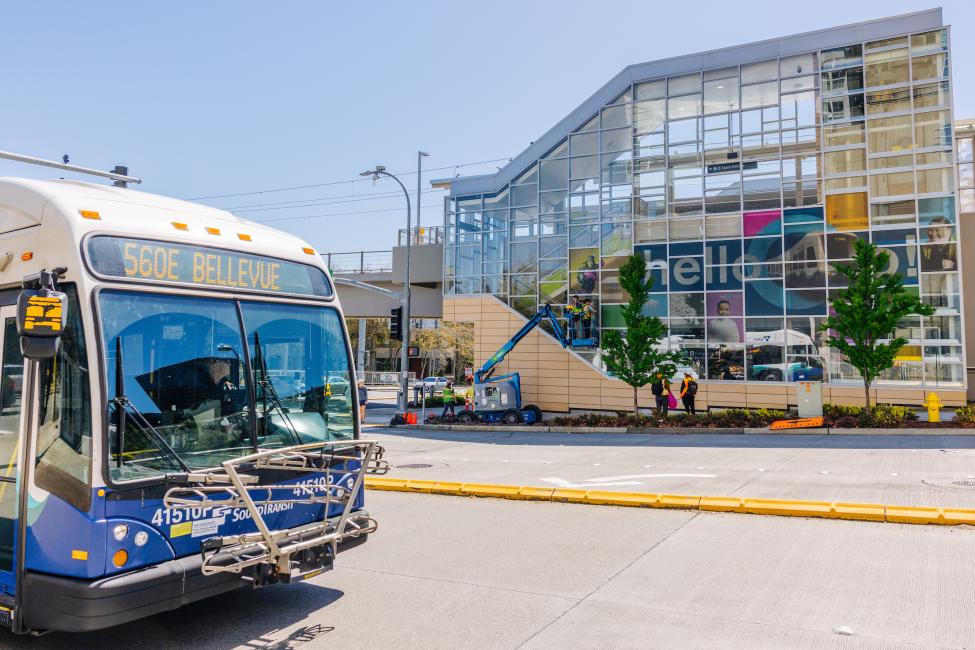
x=421 y=236
x=359 y=262
x=380 y=261
x=383 y=378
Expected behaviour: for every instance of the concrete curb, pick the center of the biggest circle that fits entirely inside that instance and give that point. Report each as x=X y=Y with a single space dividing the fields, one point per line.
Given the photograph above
x=779 y=507
x=822 y=431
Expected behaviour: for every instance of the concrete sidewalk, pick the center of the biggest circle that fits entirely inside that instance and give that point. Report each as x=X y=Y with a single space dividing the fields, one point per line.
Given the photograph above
x=894 y=470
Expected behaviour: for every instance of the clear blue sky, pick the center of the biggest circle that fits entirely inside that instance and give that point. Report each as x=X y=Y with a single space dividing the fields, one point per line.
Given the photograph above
x=213 y=98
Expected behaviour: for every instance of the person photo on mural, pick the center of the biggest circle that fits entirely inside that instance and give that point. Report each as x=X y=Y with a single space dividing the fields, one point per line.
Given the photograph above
x=587 y=276
x=939 y=253
x=721 y=327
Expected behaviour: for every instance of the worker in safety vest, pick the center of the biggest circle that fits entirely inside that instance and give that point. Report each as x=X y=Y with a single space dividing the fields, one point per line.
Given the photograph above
x=573 y=315
x=448 y=399
x=588 y=312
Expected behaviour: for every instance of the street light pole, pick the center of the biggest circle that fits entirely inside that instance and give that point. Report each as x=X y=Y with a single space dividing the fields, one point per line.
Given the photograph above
x=405 y=295
x=420 y=155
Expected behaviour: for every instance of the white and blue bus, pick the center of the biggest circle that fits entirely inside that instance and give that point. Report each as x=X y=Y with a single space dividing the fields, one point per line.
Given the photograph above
x=192 y=427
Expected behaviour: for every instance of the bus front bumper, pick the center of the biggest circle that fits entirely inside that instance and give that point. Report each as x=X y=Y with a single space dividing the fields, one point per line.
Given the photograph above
x=56 y=603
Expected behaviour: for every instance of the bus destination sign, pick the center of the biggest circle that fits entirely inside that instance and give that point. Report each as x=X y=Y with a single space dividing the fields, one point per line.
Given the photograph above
x=156 y=261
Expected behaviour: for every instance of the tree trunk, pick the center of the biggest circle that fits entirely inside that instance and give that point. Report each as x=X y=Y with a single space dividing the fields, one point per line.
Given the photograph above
x=636 y=403
x=866 y=395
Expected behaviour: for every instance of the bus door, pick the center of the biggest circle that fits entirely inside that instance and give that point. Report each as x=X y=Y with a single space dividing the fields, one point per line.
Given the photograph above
x=11 y=392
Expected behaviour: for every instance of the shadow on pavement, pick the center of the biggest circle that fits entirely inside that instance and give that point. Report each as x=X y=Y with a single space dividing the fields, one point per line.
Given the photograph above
x=244 y=618
x=731 y=441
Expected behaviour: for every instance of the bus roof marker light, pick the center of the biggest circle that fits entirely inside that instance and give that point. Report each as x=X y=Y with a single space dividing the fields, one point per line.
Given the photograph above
x=242 y=236
x=179 y=226
x=212 y=231
x=90 y=214
x=308 y=251
x=27 y=256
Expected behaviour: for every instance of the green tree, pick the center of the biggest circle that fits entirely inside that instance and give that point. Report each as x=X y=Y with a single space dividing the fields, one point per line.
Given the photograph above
x=449 y=341
x=636 y=357
x=865 y=314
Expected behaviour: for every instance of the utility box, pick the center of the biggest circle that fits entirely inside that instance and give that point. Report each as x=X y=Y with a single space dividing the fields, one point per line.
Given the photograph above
x=809 y=397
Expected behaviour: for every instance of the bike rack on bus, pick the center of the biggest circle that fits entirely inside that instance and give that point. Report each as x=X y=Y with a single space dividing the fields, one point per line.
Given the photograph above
x=276 y=548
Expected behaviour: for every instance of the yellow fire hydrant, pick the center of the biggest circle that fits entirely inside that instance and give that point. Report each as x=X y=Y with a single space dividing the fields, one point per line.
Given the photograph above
x=933 y=402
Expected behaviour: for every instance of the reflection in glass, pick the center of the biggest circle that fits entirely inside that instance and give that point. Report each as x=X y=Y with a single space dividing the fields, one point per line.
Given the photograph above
x=779 y=167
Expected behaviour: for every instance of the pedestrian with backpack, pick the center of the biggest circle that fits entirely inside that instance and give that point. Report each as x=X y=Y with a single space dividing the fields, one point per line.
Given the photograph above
x=660 y=387
x=688 y=389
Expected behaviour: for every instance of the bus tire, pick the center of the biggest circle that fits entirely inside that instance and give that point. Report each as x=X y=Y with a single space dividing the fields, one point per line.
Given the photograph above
x=512 y=416
x=535 y=414
x=770 y=375
x=466 y=417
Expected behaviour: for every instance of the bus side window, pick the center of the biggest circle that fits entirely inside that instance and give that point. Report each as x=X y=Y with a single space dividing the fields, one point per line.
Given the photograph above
x=64 y=433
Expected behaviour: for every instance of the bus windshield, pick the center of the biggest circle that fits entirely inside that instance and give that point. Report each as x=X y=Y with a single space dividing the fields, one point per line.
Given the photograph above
x=189 y=399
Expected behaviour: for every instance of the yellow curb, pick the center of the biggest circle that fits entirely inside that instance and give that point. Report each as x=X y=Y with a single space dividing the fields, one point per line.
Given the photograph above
x=447 y=487
x=569 y=495
x=960 y=516
x=678 y=501
x=633 y=499
x=915 y=515
x=722 y=504
x=777 y=507
x=490 y=490
x=537 y=493
x=860 y=511
x=788 y=508
x=420 y=486
x=383 y=483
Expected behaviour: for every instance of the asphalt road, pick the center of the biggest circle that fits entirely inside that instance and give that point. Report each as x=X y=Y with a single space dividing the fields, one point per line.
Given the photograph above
x=448 y=572
x=894 y=470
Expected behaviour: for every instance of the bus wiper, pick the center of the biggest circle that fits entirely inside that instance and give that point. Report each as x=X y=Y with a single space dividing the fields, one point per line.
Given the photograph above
x=268 y=390
x=122 y=405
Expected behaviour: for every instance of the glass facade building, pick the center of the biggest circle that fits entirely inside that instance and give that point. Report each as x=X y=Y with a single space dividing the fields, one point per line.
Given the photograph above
x=742 y=178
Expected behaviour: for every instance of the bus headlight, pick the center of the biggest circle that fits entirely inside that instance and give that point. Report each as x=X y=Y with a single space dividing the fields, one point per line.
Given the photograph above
x=141 y=538
x=120 y=532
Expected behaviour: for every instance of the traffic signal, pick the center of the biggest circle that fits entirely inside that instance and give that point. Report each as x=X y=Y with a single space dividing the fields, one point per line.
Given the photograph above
x=396 y=324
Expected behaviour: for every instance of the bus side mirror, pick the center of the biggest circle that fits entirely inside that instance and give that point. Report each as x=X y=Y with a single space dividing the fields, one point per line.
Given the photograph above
x=41 y=316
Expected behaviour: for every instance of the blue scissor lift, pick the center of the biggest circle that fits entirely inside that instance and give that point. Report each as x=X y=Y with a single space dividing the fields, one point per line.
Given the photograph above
x=498 y=399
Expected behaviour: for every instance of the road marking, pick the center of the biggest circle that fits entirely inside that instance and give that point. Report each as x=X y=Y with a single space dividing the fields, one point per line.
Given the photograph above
x=632 y=476
x=561 y=482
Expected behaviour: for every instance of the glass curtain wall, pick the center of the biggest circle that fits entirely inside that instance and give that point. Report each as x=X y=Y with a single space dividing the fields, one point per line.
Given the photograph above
x=741 y=187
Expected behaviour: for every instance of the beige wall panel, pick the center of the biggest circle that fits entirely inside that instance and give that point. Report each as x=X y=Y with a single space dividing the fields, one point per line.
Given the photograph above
x=558 y=380
x=544 y=402
x=553 y=368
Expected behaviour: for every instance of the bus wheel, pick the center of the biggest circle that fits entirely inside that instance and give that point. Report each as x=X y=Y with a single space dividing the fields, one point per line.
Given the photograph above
x=465 y=417
x=511 y=416
x=770 y=375
x=531 y=414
